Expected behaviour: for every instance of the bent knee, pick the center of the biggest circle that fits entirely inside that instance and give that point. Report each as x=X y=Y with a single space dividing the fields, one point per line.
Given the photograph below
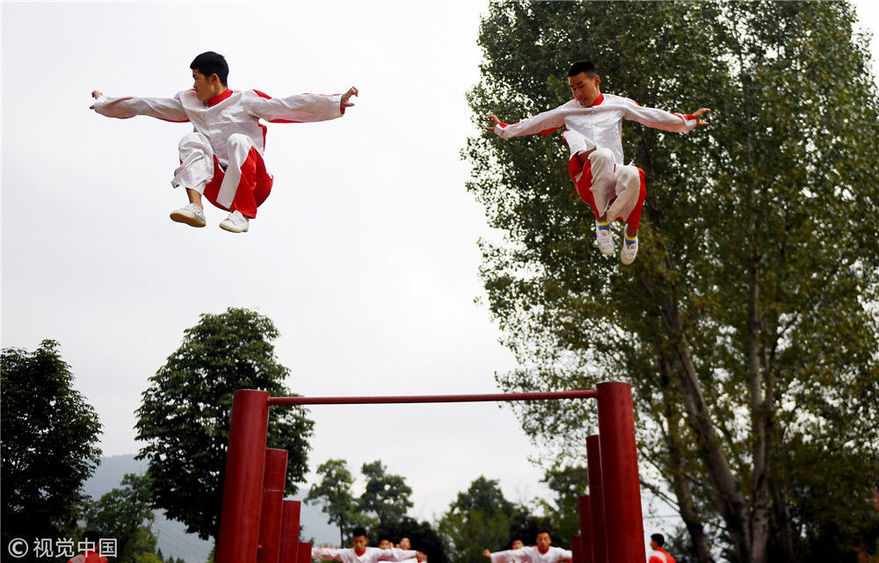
x=601 y=155
x=193 y=140
x=239 y=140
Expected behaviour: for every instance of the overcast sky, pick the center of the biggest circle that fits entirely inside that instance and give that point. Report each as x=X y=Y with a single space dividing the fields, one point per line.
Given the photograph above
x=365 y=256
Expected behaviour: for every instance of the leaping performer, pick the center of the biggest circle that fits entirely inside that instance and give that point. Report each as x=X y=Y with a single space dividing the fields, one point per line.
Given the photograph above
x=222 y=159
x=593 y=131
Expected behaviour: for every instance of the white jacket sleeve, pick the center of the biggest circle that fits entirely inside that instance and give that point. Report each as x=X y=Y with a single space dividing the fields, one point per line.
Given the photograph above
x=299 y=108
x=326 y=553
x=508 y=555
x=659 y=119
x=396 y=554
x=168 y=109
x=544 y=122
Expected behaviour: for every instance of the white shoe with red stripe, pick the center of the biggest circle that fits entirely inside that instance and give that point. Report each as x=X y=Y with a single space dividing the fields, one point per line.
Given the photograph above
x=629 y=251
x=604 y=239
x=235 y=223
x=191 y=214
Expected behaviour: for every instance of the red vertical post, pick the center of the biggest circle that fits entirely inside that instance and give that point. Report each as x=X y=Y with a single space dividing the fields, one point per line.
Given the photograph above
x=304 y=553
x=597 y=500
x=619 y=462
x=290 y=532
x=242 y=489
x=577 y=548
x=585 y=511
x=272 y=503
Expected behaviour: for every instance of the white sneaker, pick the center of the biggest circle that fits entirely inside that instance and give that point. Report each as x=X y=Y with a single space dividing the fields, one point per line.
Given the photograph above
x=628 y=252
x=604 y=240
x=235 y=223
x=191 y=214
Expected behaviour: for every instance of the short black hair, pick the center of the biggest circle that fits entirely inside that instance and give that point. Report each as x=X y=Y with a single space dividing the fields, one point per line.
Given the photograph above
x=658 y=538
x=582 y=66
x=358 y=531
x=209 y=63
x=92 y=536
x=543 y=531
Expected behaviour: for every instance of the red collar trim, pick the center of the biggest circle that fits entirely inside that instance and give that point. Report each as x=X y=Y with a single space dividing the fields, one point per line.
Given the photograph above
x=543 y=551
x=357 y=553
x=598 y=100
x=219 y=97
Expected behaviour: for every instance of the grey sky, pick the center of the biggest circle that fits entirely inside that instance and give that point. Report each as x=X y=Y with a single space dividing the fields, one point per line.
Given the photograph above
x=365 y=254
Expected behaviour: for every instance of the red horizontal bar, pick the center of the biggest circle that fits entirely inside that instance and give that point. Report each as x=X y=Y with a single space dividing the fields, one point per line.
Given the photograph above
x=543 y=396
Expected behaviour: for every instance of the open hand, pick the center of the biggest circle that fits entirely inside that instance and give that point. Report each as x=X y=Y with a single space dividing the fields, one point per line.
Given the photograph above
x=347 y=96
x=95 y=94
x=699 y=114
x=494 y=118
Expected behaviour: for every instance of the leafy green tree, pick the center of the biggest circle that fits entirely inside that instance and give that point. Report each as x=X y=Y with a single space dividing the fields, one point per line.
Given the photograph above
x=386 y=496
x=333 y=493
x=124 y=514
x=479 y=519
x=568 y=484
x=747 y=325
x=422 y=536
x=48 y=446
x=184 y=417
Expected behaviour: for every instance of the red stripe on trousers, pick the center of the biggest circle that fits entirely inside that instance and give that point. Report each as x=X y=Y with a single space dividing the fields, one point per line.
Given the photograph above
x=584 y=189
x=253 y=188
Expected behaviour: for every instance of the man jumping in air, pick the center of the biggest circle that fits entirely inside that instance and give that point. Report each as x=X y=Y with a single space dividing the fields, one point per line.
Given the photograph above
x=222 y=159
x=593 y=123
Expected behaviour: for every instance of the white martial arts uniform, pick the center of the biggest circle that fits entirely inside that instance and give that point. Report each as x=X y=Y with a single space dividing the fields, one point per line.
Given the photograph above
x=531 y=554
x=370 y=555
x=600 y=126
x=223 y=158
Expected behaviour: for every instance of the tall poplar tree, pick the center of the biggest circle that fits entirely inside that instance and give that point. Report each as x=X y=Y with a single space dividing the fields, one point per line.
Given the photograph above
x=747 y=325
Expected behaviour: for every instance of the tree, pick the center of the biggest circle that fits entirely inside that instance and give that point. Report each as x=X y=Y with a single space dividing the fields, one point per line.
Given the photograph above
x=184 y=417
x=124 y=514
x=568 y=484
x=49 y=445
x=422 y=536
x=747 y=325
x=334 y=494
x=386 y=496
x=479 y=519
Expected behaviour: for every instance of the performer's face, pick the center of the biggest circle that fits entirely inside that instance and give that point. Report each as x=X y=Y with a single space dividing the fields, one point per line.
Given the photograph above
x=404 y=543
x=206 y=87
x=359 y=543
x=385 y=544
x=543 y=541
x=585 y=88
x=517 y=544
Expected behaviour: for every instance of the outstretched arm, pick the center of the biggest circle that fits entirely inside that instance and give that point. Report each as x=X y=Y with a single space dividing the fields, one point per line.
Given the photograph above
x=300 y=108
x=326 y=553
x=542 y=123
x=167 y=109
x=666 y=121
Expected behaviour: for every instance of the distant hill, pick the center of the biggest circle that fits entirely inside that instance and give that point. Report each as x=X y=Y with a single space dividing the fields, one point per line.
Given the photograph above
x=173 y=539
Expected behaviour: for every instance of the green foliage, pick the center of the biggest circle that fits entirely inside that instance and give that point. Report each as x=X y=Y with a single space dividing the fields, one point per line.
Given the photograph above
x=569 y=484
x=386 y=496
x=49 y=445
x=421 y=534
x=184 y=418
x=333 y=493
x=748 y=324
x=480 y=518
x=124 y=514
